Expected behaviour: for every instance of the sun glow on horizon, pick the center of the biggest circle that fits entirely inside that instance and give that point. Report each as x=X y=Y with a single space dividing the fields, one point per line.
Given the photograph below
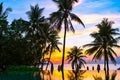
x=56 y=56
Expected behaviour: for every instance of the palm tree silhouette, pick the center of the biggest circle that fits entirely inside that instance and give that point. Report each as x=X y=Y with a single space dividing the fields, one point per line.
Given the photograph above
x=75 y=55
x=36 y=33
x=52 y=41
x=44 y=39
x=64 y=16
x=3 y=33
x=3 y=18
x=4 y=13
x=104 y=42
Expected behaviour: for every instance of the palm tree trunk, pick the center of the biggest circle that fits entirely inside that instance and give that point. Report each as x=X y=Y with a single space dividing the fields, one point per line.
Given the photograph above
x=76 y=75
x=105 y=57
x=62 y=74
x=62 y=66
x=107 y=64
x=104 y=65
x=48 y=60
x=106 y=75
x=43 y=60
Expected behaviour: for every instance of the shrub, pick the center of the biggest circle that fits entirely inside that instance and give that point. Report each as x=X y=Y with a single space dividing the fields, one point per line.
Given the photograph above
x=22 y=68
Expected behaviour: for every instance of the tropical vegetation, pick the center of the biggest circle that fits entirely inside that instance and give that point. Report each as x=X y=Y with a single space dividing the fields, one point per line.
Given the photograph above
x=104 y=43
x=75 y=56
x=64 y=16
x=26 y=42
x=22 y=69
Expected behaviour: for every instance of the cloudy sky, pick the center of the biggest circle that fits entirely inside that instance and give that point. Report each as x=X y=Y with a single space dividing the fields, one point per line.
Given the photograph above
x=91 y=13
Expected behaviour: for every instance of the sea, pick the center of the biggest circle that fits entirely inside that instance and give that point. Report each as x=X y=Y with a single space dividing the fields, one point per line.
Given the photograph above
x=90 y=66
x=69 y=74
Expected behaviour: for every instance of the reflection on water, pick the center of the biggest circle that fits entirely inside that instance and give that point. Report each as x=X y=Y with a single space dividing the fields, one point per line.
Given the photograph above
x=75 y=75
x=68 y=75
x=81 y=75
x=107 y=76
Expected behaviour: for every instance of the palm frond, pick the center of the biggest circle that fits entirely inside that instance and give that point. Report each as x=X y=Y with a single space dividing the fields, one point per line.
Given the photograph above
x=3 y=13
x=71 y=26
x=117 y=46
x=112 y=58
x=91 y=50
x=1 y=8
x=98 y=54
x=112 y=51
x=56 y=19
x=76 y=18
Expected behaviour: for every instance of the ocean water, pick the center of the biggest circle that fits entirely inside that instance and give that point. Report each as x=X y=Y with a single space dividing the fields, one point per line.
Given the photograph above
x=81 y=75
x=57 y=75
x=69 y=74
x=68 y=66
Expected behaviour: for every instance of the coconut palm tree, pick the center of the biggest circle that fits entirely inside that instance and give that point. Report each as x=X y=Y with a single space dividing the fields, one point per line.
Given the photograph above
x=104 y=43
x=3 y=35
x=43 y=38
x=52 y=41
x=64 y=16
x=35 y=32
x=3 y=18
x=75 y=55
x=4 y=13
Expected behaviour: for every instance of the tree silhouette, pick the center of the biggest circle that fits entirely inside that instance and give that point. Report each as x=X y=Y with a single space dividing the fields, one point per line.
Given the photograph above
x=35 y=33
x=64 y=16
x=75 y=55
x=3 y=35
x=104 y=43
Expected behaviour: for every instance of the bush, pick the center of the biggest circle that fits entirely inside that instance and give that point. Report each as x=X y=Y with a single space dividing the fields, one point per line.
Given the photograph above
x=22 y=68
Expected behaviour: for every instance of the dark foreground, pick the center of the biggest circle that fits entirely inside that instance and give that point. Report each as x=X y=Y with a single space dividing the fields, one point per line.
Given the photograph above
x=56 y=75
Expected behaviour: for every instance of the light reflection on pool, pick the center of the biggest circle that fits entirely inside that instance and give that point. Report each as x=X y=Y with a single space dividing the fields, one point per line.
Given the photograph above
x=79 y=75
x=57 y=75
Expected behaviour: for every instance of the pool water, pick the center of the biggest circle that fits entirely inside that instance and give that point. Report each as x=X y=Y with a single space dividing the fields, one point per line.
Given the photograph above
x=57 y=75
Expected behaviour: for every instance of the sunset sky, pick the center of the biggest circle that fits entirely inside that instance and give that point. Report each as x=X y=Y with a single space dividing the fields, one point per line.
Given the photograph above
x=91 y=13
